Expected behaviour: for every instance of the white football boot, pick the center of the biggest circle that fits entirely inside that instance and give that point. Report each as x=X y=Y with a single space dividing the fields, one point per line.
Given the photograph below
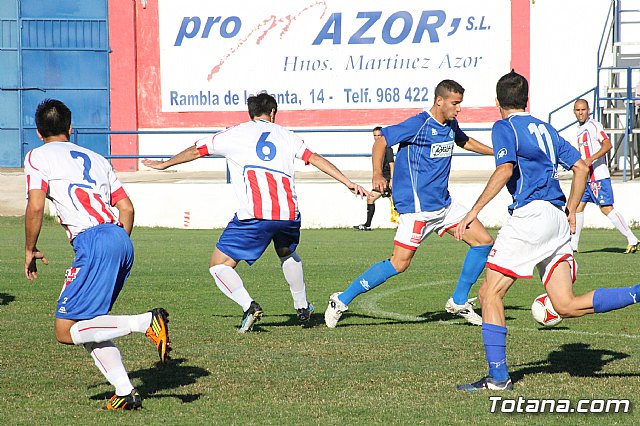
x=465 y=311
x=334 y=310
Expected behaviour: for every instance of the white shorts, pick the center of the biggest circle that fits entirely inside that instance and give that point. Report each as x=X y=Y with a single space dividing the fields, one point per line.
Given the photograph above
x=415 y=227
x=536 y=235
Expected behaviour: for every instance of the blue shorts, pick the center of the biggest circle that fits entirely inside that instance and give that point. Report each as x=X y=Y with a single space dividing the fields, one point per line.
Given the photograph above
x=599 y=192
x=104 y=256
x=248 y=239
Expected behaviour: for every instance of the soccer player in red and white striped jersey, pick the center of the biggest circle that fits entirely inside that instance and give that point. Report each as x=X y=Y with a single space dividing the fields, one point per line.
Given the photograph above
x=98 y=216
x=260 y=155
x=594 y=144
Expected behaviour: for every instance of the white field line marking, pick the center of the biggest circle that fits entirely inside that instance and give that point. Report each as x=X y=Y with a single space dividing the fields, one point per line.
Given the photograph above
x=370 y=305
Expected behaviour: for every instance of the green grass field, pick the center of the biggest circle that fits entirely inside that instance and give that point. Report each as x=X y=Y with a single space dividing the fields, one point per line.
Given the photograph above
x=393 y=359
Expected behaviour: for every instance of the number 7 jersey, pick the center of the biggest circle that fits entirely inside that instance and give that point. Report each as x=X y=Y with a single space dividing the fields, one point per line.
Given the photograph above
x=80 y=183
x=260 y=156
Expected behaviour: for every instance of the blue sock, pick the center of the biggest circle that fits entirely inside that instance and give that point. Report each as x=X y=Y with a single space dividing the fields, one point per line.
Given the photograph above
x=495 y=346
x=609 y=299
x=372 y=277
x=472 y=267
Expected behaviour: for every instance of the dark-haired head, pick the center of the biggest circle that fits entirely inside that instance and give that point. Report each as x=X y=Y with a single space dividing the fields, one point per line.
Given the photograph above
x=512 y=91
x=445 y=87
x=53 y=118
x=377 y=128
x=261 y=104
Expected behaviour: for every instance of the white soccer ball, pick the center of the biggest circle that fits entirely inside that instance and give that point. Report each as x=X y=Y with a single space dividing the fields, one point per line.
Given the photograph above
x=543 y=312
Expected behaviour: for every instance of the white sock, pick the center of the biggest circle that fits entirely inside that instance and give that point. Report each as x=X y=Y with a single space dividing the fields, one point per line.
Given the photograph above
x=621 y=225
x=293 y=273
x=107 y=327
x=230 y=283
x=575 y=238
x=108 y=360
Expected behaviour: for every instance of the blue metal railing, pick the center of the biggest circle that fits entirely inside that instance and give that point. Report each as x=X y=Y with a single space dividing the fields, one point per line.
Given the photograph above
x=76 y=134
x=611 y=34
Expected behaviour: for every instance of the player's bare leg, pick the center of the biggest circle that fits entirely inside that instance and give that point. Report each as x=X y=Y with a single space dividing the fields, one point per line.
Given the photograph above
x=480 y=242
x=560 y=291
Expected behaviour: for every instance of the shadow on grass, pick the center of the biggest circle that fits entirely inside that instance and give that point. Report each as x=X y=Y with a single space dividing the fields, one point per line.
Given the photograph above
x=5 y=298
x=163 y=377
x=577 y=359
x=604 y=250
x=317 y=319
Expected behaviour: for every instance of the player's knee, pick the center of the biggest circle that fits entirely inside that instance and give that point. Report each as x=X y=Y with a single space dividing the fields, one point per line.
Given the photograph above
x=63 y=336
x=564 y=310
x=400 y=265
x=488 y=293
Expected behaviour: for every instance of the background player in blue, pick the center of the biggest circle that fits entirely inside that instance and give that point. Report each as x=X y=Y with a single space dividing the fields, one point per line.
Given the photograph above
x=98 y=216
x=527 y=152
x=421 y=197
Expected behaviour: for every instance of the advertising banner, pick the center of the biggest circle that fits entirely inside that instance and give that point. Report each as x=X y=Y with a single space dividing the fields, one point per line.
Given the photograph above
x=329 y=55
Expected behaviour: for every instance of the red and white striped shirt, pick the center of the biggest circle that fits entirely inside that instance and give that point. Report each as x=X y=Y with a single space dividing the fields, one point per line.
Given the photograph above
x=590 y=138
x=81 y=184
x=260 y=156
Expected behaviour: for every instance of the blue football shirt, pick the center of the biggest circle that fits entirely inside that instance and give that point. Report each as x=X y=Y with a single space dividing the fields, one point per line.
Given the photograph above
x=536 y=149
x=423 y=162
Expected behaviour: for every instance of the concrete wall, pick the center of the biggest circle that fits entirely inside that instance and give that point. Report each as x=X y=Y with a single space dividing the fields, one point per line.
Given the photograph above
x=323 y=205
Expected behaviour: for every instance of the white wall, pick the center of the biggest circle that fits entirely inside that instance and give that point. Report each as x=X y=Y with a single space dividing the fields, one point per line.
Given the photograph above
x=323 y=205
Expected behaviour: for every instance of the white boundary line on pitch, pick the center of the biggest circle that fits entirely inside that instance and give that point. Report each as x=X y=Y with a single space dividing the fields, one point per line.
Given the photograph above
x=370 y=305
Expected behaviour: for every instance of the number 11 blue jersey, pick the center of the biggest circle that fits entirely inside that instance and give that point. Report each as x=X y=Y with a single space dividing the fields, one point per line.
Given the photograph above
x=536 y=149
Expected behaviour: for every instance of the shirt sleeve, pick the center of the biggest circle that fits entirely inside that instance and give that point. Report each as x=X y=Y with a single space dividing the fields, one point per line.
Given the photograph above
x=567 y=154
x=117 y=191
x=405 y=131
x=503 y=138
x=205 y=145
x=301 y=151
x=35 y=171
x=601 y=135
x=460 y=136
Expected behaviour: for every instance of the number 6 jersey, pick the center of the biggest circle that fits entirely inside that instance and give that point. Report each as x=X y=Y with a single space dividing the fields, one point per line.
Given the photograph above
x=260 y=158
x=81 y=184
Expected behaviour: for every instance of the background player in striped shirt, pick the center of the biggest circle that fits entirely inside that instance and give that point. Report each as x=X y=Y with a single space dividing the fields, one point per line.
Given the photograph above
x=260 y=156
x=594 y=144
x=98 y=216
x=527 y=153
x=421 y=196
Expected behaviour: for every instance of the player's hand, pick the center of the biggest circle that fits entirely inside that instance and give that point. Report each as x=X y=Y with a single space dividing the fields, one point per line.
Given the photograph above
x=358 y=190
x=589 y=161
x=30 y=267
x=571 y=217
x=378 y=183
x=459 y=230
x=154 y=164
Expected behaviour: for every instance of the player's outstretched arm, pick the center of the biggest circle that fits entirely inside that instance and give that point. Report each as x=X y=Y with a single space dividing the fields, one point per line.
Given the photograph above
x=32 y=225
x=330 y=169
x=474 y=145
x=185 y=156
x=496 y=182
